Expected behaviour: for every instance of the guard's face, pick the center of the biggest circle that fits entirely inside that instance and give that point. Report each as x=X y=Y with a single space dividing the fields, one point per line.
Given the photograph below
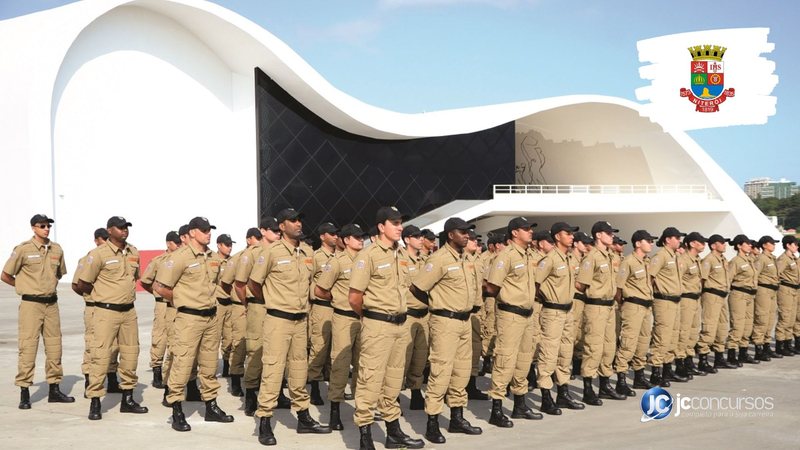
x=646 y=245
x=472 y=245
x=171 y=246
x=566 y=238
x=392 y=229
x=42 y=230
x=328 y=239
x=118 y=233
x=546 y=246
x=354 y=242
x=270 y=236
x=672 y=242
x=414 y=242
x=224 y=249
x=292 y=228
x=524 y=234
x=202 y=236
x=605 y=237
x=459 y=238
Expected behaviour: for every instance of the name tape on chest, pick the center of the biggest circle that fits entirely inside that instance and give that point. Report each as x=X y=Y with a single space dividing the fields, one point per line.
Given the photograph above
x=193 y=265
x=451 y=268
x=281 y=262
x=384 y=266
x=519 y=266
x=111 y=261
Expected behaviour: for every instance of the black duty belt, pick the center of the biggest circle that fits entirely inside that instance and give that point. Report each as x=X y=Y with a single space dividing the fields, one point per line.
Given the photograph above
x=47 y=299
x=324 y=303
x=90 y=304
x=515 y=309
x=210 y=312
x=638 y=301
x=397 y=319
x=234 y=302
x=170 y=305
x=114 y=307
x=458 y=315
x=346 y=313
x=160 y=300
x=672 y=298
x=579 y=296
x=716 y=292
x=599 y=302
x=256 y=301
x=748 y=291
x=691 y=295
x=790 y=285
x=286 y=315
x=417 y=313
x=558 y=306
x=771 y=287
x=476 y=309
x=224 y=301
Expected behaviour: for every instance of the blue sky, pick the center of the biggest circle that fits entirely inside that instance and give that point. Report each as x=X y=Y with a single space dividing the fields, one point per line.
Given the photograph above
x=426 y=55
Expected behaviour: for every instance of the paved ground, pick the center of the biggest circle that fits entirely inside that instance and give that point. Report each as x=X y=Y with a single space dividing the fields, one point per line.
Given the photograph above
x=614 y=425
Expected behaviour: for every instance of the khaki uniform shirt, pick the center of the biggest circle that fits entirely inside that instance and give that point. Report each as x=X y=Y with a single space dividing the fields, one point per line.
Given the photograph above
x=597 y=274
x=322 y=261
x=285 y=272
x=447 y=282
x=664 y=267
x=113 y=272
x=228 y=276
x=149 y=275
x=716 y=273
x=414 y=266
x=223 y=267
x=634 y=279
x=474 y=267
x=336 y=279
x=556 y=277
x=744 y=272
x=75 y=278
x=36 y=267
x=767 y=266
x=616 y=260
x=381 y=273
x=690 y=269
x=247 y=261
x=514 y=272
x=193 y=277
x=788 y=268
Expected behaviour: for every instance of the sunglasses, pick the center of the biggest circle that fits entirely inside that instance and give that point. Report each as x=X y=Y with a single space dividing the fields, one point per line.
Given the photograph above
x=43 y=226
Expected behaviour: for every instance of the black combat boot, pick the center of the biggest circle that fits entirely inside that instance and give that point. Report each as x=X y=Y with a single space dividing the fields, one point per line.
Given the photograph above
x=786 y=348
x=681 y=370
x=606 y=391
x=532 y=374
x=772 y=353
x=178 y=419
x=589 y=397
x=732 y=361
x=417 y=400
x=283 y=401
x=762 y=354
x=94 y=409
x=432 y=432
x=305 y=424
x=497 y=417
x=563 y=399
x=704 y=366
x=158 y=381
x=129 y=405
x=745 y=358
x=336 y=418
x=365 y=441
x=164 y=401
x=796 y=345
x=113 y=383
x=226 y=369
x=56 y=396
x=215 y=414
x=669 y=375
x=192 y=392
x=250 y=402
x=24 y=398
x=395 y=438
x=236 y=386
x=576 y=368
x=265 y=434
x=522 y=410
x=721 y=363
x=316 y=398
x=458 y=424
x=657 y=379
x=473 y=393
x=691 y=368
x=622 y=387
x=640 y=380
x=486 y=367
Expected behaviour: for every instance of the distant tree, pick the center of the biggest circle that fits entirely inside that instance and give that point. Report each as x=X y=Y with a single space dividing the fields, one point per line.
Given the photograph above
x=787 y=209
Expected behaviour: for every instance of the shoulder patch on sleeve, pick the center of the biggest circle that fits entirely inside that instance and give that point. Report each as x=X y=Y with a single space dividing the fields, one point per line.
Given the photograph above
x=587 y=264
x=261 y=260
x=89 y=259
x=500 y=264
x=244 y=259
x=542 y=263
x=169 y=264
x=654 y=260
x=360 y=264
x=428 y=267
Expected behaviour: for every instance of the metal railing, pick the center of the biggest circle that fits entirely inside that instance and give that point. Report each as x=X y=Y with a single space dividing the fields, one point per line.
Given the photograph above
x=682 y=189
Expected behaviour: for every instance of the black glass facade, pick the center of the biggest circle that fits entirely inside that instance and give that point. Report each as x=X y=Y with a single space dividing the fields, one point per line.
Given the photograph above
x=332 y=175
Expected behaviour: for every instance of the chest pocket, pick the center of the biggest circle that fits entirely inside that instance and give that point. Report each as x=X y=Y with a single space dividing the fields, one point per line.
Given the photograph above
x=693 y=269
x=35 y=260
x=194 y=271
x=604 y=268
x=285 y=269
x=639 y=274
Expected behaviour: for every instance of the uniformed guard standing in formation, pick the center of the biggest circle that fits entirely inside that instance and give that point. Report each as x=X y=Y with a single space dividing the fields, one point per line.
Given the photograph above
x=282 y=276
x=740 y=301
x=716 y=284
x=766 y=296
x=690 y=269
x=224 y=302
x=376 y=295
x=475 y=268
x=34 y=268
x=583 y=243
x=489 y=326
x=416 y=322
x=788 y=297
x=109 y=276
x=444 y=286
x=334 y=285
x=319 y=323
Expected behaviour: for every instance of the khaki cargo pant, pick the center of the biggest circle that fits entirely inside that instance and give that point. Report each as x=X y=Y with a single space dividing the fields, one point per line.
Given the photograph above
x=665 y=318
x=489 y=326
x=196 y=342
x=634 y=339
x=345 y=350
x=284 y=346
x=380 y=370
x=320 y=336
x=109 y=326
x=88 y=312
x=694 y=333
x=688 y=313
x=255 y=326
x=477 y=344
x=513 y=354
x=763 y=314
x=225 y=330
x=158 y=338
x=714 y=331
x=599 y=341
x=451 y=358
x=417 y=350
x=39 y=319
x=238 y=351
x=577 y=329
x=787 y=313
x=556 y=347
x=742 y=306
x=536 y=335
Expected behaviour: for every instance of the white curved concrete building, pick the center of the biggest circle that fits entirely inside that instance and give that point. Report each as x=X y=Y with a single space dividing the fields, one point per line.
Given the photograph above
x=149 y=109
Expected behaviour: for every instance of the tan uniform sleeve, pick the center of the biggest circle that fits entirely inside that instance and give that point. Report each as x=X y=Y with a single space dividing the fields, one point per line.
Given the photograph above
x=62 y=267
x=586 y=273
x=499 y=270
x=14 y=263
x=361 y=272
x=170 y=270
x=431 y=273
x=543 y=269
x=262 y=266
x=91 y=268
x=329 y=275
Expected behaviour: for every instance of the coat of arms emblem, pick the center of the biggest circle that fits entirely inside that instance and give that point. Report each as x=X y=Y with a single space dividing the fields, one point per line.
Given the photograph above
x=707 y=78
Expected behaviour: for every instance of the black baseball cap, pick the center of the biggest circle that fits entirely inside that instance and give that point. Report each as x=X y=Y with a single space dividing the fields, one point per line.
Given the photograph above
x=101 y=233
x=562 y=226
x=740 y=239
x=374 y=231
x=714 y=238
x=201 y=223
x=118 y=221
x=353 y=229
x=671 y=232
x=543 y=235
x=183 y=230
x=619 y=241
x=456 y=223
x=603 y=226
x=41 y=218
x=517 y=223
x=253 y=232
x=694 y=236
x=289 y=214
x=388 y=213
x=473 y=236
x=172 y=236
x=580 y=236
x=642 y=235
x=789 y=239
x=428 y=234
x=765 y=240
x=225 y=239
x=327 y=227
x=269 y=223
x=411 y=231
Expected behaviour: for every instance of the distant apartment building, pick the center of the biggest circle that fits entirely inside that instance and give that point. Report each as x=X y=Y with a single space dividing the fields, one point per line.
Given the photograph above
x=766 y=187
